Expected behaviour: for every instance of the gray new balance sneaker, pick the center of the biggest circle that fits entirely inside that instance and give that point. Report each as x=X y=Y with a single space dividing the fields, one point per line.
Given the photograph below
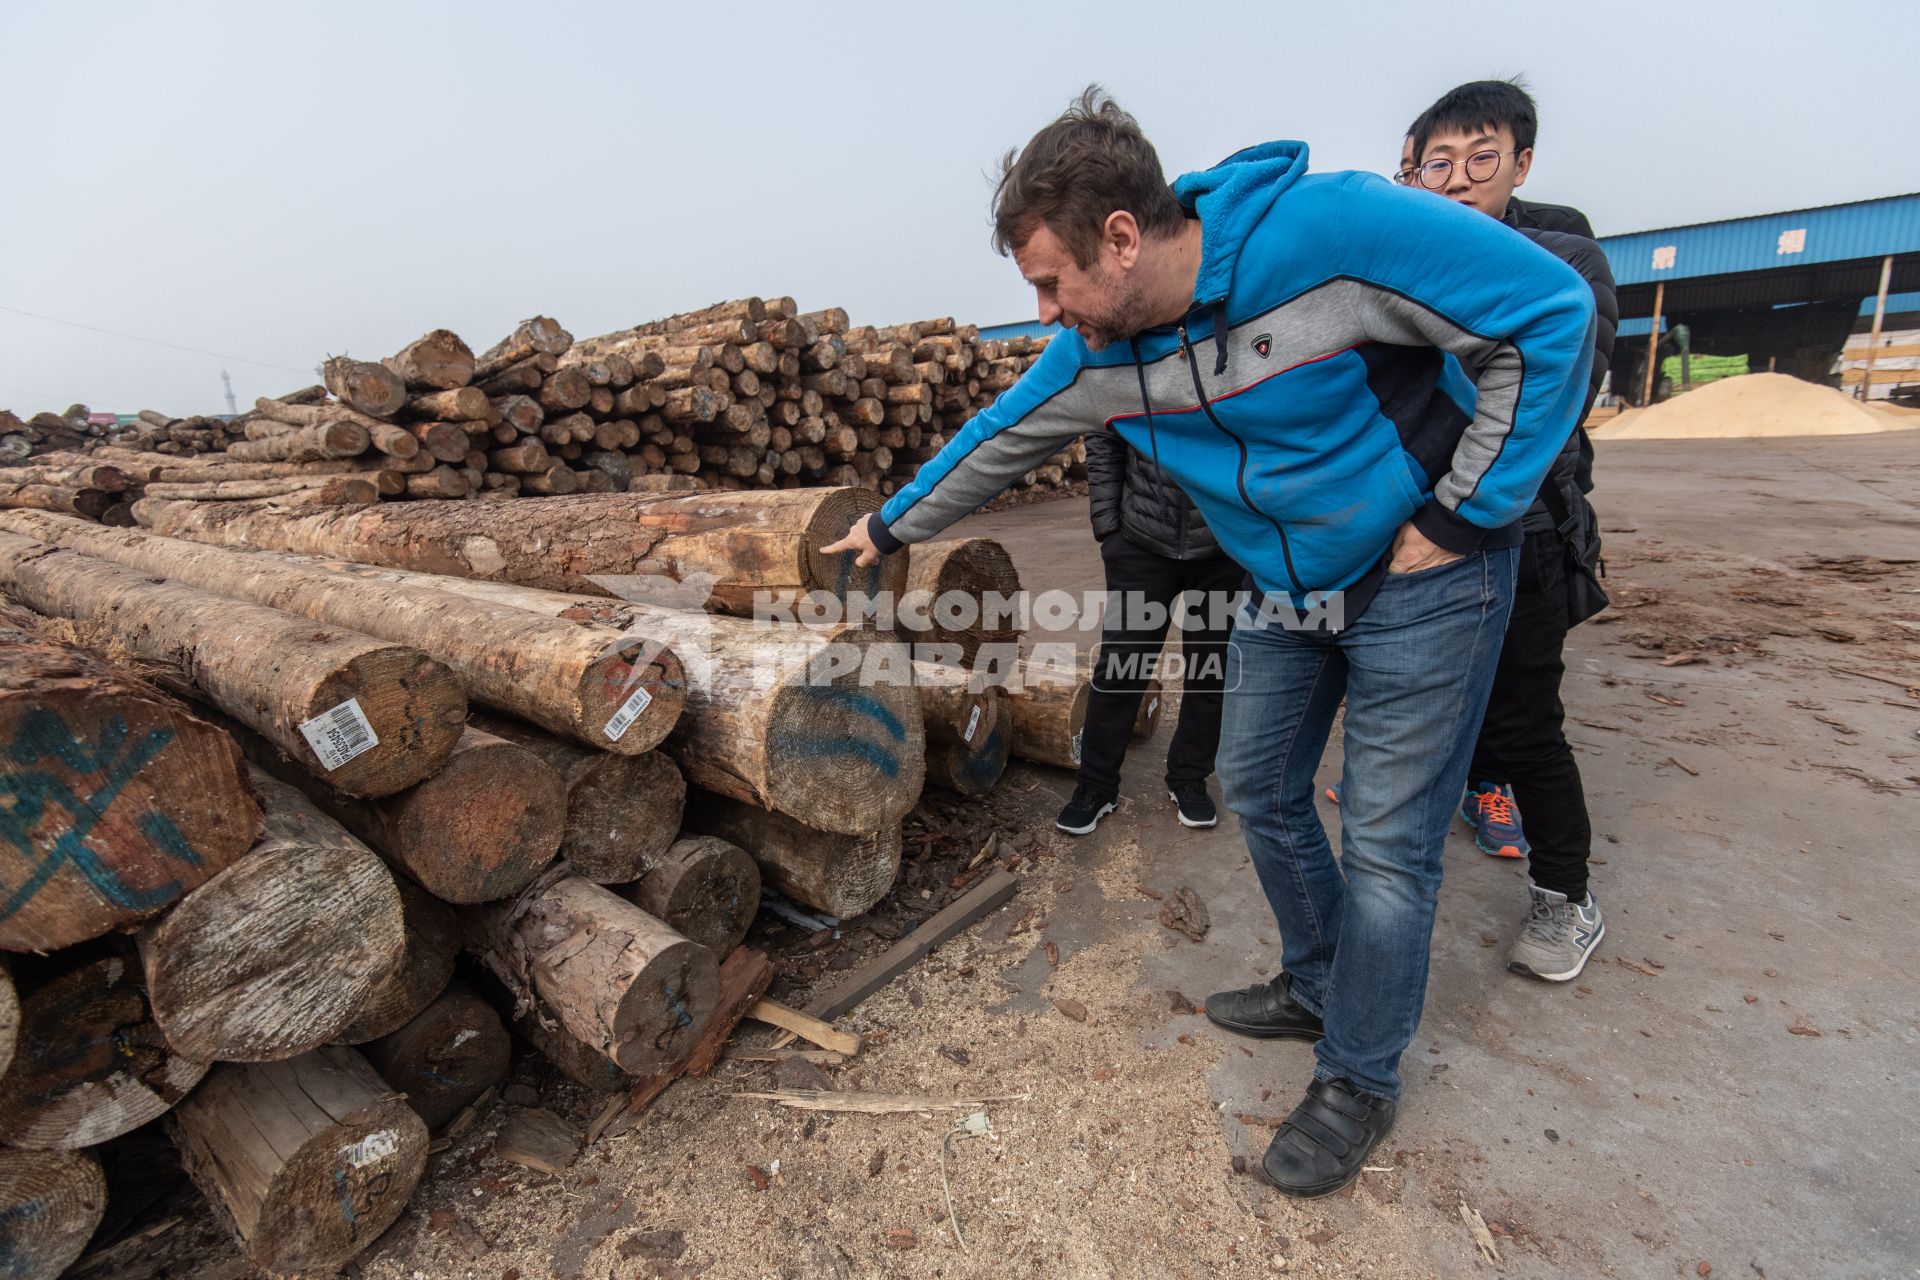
x=1558 y=936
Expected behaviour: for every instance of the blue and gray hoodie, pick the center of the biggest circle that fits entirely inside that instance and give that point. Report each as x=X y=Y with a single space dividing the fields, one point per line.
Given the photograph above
x=1303 y=402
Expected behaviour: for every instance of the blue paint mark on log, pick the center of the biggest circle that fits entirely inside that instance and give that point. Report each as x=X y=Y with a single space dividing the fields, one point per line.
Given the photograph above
x=673 y=1001
x=12 y=1262
x=817 y=748
x=346 y=1198
x=864 y=704
x=108 y=768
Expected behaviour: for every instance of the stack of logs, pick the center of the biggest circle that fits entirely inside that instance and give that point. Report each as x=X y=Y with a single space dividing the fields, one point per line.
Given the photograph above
x=745 y=394
x=362 y=741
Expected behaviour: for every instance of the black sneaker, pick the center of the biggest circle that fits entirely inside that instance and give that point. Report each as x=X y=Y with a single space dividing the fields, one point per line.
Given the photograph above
x=1325 y=1141
x=1265 y=1011
x=1196 y=806
x=1084 y=811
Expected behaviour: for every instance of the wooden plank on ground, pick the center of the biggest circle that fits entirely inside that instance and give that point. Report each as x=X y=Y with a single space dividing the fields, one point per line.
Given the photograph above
x=990 y=894
x=804 y=1025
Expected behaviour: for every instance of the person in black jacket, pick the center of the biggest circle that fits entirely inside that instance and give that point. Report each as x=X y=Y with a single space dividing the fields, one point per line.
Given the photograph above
x=1155 y=547
x=1474 y=146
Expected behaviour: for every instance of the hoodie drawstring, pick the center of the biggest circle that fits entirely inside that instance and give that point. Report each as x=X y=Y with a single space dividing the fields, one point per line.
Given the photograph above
x=1219 y=337
x=1153 y=441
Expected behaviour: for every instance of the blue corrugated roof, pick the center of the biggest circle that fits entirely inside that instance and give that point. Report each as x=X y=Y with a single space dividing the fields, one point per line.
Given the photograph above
x=1833 y=233
x=1019 y=329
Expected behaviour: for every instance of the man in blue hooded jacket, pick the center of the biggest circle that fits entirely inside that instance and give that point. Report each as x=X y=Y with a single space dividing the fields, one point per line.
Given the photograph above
x=1273 y=340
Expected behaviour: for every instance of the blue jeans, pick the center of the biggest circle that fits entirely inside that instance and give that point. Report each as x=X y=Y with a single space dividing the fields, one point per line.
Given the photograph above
x=1415 y=670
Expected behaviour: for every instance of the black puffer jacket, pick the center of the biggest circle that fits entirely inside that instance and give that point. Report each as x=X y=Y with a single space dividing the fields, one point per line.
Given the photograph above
x=1572 y=471
x=1123 y=498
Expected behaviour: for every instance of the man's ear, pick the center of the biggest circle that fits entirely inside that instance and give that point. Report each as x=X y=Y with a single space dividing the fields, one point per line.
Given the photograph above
x=1522 y=165
x=1121 y=235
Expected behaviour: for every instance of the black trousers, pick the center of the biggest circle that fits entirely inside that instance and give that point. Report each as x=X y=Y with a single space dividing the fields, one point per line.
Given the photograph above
x=1140 y=582
x=1522 y=742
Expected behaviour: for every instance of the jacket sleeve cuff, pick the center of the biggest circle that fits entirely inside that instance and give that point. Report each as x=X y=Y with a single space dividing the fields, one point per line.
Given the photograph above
x=882 y=536
x=1447 y=530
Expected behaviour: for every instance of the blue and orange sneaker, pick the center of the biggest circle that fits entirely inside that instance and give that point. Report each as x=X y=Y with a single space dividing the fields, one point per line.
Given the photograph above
x=1489 y=809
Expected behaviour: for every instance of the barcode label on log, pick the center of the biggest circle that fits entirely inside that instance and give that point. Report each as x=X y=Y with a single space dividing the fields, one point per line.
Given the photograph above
x=629 y=712
x=1076 y=746
x=339 y=735
x=375 y=1146
x=973 y=723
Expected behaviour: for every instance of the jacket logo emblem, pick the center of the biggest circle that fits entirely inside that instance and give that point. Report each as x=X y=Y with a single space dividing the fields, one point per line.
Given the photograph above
x=1263 y=345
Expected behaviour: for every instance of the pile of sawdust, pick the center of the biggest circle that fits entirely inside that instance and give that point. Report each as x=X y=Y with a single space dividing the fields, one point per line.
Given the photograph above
x=1758 y=404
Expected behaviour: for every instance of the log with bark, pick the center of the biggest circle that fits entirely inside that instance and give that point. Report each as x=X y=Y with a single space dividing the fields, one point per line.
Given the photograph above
x=372 y=389
x=616 y=692
x=279 y=952
x=971 y=587
x=306 y=1161
x=617 y=979
x=90 y=503
x=969 y=729
x=436 y=361
x=842 y=875
x=576 y=1059
x=622 y=811
x=446 y=1056
x=740 y=547
x=91 y=1063
x=823 y=725
x=94 y=475
x=542 y=335
x=326 y=438
x=480 y=829
x=343 y=490
x=457 y=404
x=51 y=1202
x=118 y=799
x=702 y=887
x=432 y=941
x=1049 y=713
x=373 y=718
x=276 y=419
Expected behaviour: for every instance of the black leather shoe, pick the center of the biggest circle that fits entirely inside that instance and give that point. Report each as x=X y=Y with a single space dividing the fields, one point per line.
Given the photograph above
x=1265 y=1010
x=1325 y=1141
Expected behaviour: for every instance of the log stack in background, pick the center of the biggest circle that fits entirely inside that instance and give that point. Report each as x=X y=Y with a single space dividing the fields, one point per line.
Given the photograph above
x=747 y=394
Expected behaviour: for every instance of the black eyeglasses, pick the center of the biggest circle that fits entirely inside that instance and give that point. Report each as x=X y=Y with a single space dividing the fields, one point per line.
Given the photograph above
x=1406 y=177
x=1481 y=165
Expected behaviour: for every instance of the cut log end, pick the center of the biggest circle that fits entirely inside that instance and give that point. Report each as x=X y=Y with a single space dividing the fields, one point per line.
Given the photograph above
x=414 y=706
x=453 y=1051
x=630 y=700
x=703 y=887
x=837 y=574
x=279 y=952
x=176 y=806
x=309 y=1161
x=663 y=1031
x=51 y=1202
x=91 y=1064
x=847 y=753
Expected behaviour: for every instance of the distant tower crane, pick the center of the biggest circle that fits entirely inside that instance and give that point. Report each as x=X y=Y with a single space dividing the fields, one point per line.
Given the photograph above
x=233 y=408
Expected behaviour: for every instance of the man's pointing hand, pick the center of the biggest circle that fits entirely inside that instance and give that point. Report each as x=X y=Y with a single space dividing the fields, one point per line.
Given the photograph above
x=857 y=539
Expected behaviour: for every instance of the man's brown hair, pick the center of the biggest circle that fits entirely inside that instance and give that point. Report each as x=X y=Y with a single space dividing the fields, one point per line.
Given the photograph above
x=1077 y=171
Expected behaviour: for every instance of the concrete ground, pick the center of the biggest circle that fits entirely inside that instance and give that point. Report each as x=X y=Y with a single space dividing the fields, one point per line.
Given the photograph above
x=1731 y=1081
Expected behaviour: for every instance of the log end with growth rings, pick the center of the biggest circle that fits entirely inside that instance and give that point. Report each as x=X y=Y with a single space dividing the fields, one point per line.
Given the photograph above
x=846 y=749
x=837 y=574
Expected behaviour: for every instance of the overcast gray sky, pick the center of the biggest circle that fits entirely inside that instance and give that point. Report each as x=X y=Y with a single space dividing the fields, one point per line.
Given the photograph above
x=285 y=181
